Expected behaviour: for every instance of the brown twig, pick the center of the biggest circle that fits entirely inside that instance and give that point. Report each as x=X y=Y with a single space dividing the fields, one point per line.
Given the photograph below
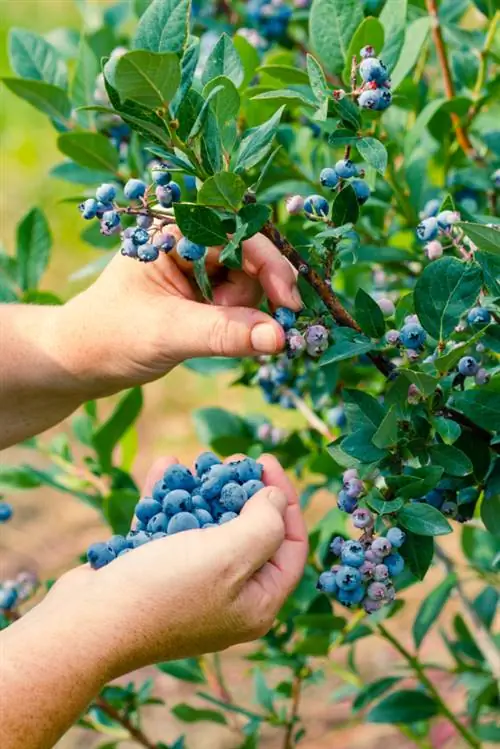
x=312 y=419
x=449 y=88
x=288 y=741
x=135 y=733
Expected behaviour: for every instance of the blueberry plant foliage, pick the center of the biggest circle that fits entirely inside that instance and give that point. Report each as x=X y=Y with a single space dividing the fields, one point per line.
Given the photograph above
x=362 y=139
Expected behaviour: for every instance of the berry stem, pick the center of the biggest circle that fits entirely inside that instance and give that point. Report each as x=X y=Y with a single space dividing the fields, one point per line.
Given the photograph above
x=288 y=741
x=135 y=733
x=419 y=670
x=313 y=419
x=449 y=88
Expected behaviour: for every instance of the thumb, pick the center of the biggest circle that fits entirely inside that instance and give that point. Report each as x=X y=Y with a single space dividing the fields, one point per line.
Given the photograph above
x=258 y=532
x=211 y=330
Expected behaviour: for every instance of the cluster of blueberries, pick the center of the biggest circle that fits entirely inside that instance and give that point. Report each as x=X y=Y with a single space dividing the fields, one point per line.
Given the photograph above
x=6 y=511
x=439 y=223
x=362 y=577
x=375 y=91
x=454 y=498
x=412 y=337
x=182 y=501
x=18 y=590
x=269 y=17
x=147 y=238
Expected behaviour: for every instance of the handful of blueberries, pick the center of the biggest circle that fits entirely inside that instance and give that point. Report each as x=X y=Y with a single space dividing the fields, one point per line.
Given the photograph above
x=181 y=501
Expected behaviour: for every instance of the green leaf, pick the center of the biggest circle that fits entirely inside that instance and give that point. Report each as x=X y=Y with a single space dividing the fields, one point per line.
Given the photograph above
x=369 y=31
x=317 y=79
x=418 y=553
x=224 y=432
x=34 y=242
x=149 y=78
x=387 y=433
x=203 y=114
x=490 y=265
x=481 y=405
x=285 y=73
x=19 y=477
x=369 y=315
x=200 y=224
x=31 y=56
x=345 y=206
x=254 y=215
x=453 y=460
x=224 y=60
x=362 y=409
x=226 y=103
x=486 y=605
x=188 y=68
x=348 y=112
x=71 y=172
x=107 y=436
x=372 y=691
x=486 y=238
x=263 y=694
x=373 y=152
x=430 y=609
x=393 y=20
x=490 y=514
x=342 y=137
x=92 y=150
x=232 y=254
x=202 y=279
x=164 y=26
x=249 y=57
x=447 y=361
x=382 y=506
x=118 y=508
x=286 y=97
x=257 y=143
x=360 y=445
x=425 y=383
x=417 y=131
x=446 y=289
x=224 y=190
x=331 y=28
x=212 y=365
x=448 y=430
x=347 y=344
x=424 y=520
x=405 y=706
x=45 y=97
x=84 y=81
x=186 y=669
x=189 y=714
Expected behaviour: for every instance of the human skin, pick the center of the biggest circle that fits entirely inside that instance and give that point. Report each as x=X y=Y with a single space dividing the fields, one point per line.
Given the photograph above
x=133 y=325
x=191 y=593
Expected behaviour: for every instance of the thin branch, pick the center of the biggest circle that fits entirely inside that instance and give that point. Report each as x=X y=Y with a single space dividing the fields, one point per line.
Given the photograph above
x=483 y=66
x=135 y=733
x=288 y=742
x=312 y=418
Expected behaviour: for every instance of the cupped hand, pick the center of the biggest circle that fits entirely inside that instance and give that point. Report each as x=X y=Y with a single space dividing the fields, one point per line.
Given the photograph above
x=194 y=592
x=138 y=321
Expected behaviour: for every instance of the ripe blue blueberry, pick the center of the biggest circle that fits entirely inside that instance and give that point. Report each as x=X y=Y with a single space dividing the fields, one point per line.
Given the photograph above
x=337 y=545
x=6 y=511
x=8 y=599
x=468 y=366
x=123 y=552
x=285 y=317
x=346 y=503
x=446 y=219
x=394 y=563
x=370 y=99
x=177 y=500
x=252 y=487
x=148 y=253
x=384 y=99
x=106 y=193
x=362 y=190
x=198 y=503
x=435 y=498
x=226 y=517
x=350 y=598
x=134 y=189
x=183 y=521
x=175 y=191
x=88 y=208
x=327 y=583
x=156 y=536
x=111 y=219
x=345 y=168
x=204 y=461
x=348 y=578
x=373 y=70
x=164 y=242
x=396 y=537
x=118 y=543
x=381 y=546
x=203 y=517
x=329 y=178
x=316 y=205
x=138 y=539
x=431 y=208
x=99 y=555
x=428 y=229
x=233 y=497
x=413 y=336
x=353 y=554
x=190 y=250
x=158 y=523
x=247 y=470
x=478 y=317
x=146 y=508
x=160 y=174
x=139 y=236
x=129 y=248
x=159 y=491
x=179 y=477
x=144 y=221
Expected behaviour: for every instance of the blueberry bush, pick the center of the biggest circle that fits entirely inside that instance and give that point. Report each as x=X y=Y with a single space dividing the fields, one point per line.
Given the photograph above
x=362 y=138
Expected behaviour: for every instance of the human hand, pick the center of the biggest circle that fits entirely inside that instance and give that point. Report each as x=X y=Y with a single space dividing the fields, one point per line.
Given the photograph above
x=138 y=321
x=191 y=593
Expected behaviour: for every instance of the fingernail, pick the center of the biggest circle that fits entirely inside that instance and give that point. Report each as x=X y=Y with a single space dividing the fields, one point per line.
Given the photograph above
x=264 y=338
x=297 y=299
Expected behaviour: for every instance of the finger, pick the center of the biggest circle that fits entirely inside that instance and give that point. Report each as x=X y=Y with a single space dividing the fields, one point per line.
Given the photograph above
x=238 y=290
x=197 y=329
x=156 y=472
x=263 y=261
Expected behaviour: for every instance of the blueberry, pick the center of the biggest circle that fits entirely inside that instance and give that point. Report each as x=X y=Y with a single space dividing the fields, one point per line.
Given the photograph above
x=396 y=537
x=158 y=523
x=381 y=546
x=144 y=221
x=139 y=539
x=353 y=554
x=148 y=253
x=428 y=229
x=353 y=488
x=6 y=511
x=329 y=178
x=233 y=497
x=394 y=563
x=468 y=366
x=370 y=99
x=252 y=486
x=362 y=518
x=139 y=236
x=384 y=99
x=160 y=174
x=123 y=551
x=295 y=343
x=111 y=219
x=175 y=191
x=367 y=51
x=446 y=219
x=204 y=461
x=336 y=417
x=285 y=317
x=159 y=491
x=345 y=168
x=164 y=242
x=226 y=517
x=179 y=477
x=435 y=498
x=164 y=196
x=316 y=205
x=317 y=338
x=478 y=317
x=351 y=598
x=377 y=591
x=450 y=509
x=8 y=599
x=337 y=545
x=431 y=208
x=203 y=517
x=346 y=503
x=371 y=606
x=212 y=488
x=247 y=470
x=183 y=521
x=327 y=583
x=367 y=570
x=88 y=208
x=117 y=544
x=158 y=535
x=380 y=573
x=482 y=376
x=348 y=578
x=209 y=525
x=373 y=70
x=134 y=189
x=190 y=250
x=177 y=500
x=294 y=204
x=412 y=336
x=146 y=508
x=129 y=248
x=99 y=555
x=362 y=190
x=198 y=503
x=106 y=193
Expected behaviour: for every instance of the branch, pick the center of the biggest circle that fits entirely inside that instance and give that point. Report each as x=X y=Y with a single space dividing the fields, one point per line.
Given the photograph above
x=288 y=741
x=135 y=733
x=312 y=419
x=449 y=89
x=483 y=638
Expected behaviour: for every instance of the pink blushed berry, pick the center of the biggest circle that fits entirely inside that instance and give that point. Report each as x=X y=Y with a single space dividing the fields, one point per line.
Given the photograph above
x=434 y=249
x=387 y=307
x=295 y=204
